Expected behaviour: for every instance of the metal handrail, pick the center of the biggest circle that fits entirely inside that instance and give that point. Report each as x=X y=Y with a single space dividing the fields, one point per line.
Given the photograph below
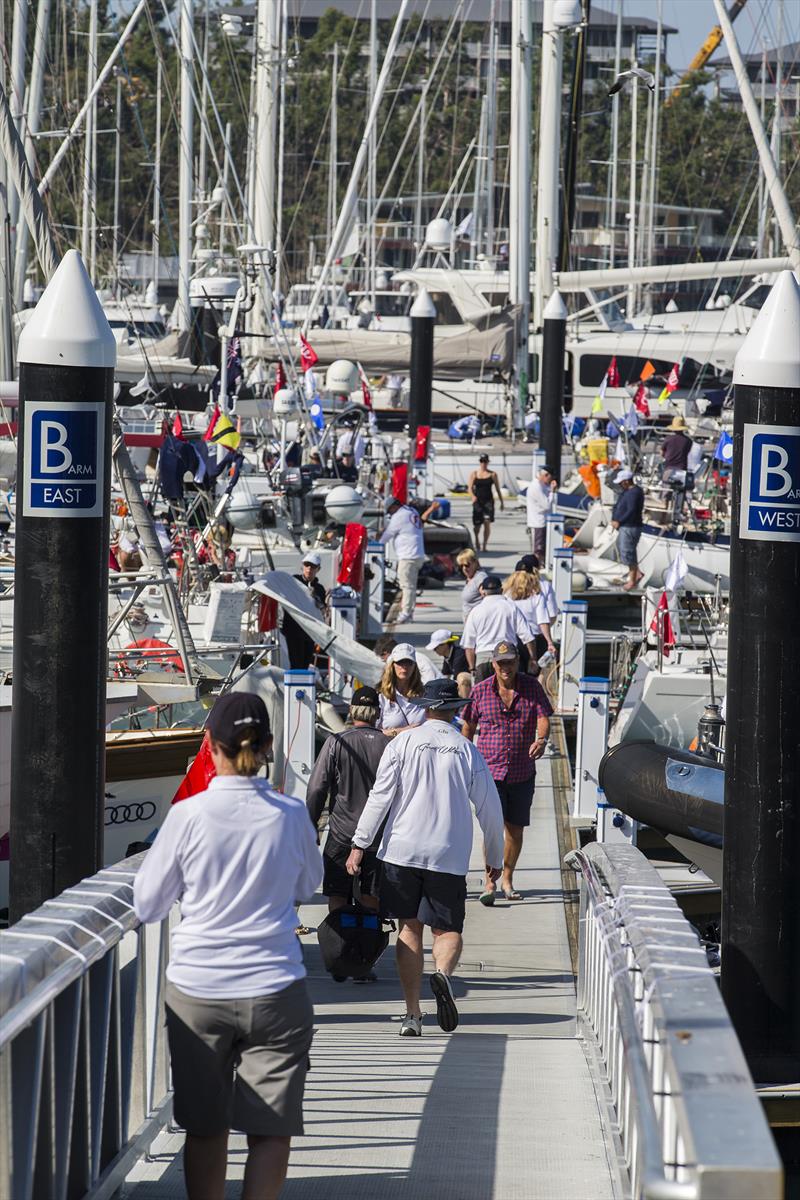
x=685 y=1103
x=84 y=1071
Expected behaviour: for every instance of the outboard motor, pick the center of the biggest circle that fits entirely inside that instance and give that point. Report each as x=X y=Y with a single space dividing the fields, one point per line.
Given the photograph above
x=711 y=734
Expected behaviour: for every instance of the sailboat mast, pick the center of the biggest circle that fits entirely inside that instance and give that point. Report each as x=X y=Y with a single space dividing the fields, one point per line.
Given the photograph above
x=372 y=166
x=157 y=188
x=631 y=301
x=653 y=196
x=615 y=103
x=491 y=93
x=519 y=258
x=267 y=42
x=547 y=206
x=284 y=20
x=420 y=233
x=89 y=152
x=333 y=148
x=19 y=36
x=32 y=121
x=117 y=159
x=185 y=178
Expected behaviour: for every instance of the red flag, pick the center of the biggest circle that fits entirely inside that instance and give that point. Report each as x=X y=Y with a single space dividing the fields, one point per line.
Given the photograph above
x=280 y=379
x=665 y=621
x=209 y=433
x=354 y=548
x=308 y=355
x=640 y=401
x=400 y=481
x=177 y=427
x=674 y=377
x=613 y=373
x=421 y=443
x=365 y=392
x=199 y=775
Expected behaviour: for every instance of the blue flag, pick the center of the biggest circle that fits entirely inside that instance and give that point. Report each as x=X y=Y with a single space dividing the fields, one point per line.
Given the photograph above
x=315 y=412
x=724 y=450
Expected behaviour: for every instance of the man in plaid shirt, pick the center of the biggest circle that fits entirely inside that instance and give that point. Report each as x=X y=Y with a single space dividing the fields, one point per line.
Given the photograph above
x=512 y=714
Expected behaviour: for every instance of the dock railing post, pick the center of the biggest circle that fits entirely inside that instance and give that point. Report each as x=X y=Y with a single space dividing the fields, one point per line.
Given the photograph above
x=760 y=877
x=574 y=617
x=67 y=356
x=376 y=562
x=590 y=743
x=562 y=577
x=299 y=717
x=344 y=619
x=554 y=523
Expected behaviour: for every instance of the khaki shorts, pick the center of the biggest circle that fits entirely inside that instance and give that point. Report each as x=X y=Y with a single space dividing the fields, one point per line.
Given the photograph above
x=240 y=1064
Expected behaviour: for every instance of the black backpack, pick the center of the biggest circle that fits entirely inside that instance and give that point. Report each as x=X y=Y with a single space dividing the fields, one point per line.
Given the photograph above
x=353 y=938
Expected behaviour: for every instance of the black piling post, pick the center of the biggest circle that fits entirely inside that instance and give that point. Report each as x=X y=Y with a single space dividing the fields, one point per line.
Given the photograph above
x=423 y=321
x=554 y=335
x=761 y=857
x=67 y=356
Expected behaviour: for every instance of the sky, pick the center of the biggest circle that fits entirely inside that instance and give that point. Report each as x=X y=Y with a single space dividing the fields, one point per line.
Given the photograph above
x=694 y=20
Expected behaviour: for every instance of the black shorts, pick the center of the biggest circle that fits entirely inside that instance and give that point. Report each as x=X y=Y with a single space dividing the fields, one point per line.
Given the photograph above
x=415 y=894
x=482 y=511
x=336 y=881
x=516 y=799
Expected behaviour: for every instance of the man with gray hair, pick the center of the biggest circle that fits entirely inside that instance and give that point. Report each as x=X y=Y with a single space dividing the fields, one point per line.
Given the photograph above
x=428 y=783
x=344 y=773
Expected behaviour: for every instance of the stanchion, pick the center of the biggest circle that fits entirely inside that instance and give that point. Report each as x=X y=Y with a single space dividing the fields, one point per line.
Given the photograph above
x=344 y=619
x=562 y=576
x=67 y=355
x=574 y=617
x=554 y=333
x=590 y=744
x=554 y=524
x=299 y=718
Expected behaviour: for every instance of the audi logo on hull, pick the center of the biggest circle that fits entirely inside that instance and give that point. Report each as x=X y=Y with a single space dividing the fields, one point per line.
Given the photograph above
x=126 y=814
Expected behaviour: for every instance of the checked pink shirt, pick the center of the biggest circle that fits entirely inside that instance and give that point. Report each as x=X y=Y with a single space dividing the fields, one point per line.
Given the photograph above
x=505 y=734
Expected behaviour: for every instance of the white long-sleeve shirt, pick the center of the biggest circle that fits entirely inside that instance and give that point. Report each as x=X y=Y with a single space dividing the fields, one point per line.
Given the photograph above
x=496 y=619
x=539 y=501
x=405 y=529
x=426 y=782
x=237 y=856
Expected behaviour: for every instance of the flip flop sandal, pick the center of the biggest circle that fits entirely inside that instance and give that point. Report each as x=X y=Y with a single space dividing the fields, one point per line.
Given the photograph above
x=488 y=899
x=512 y=895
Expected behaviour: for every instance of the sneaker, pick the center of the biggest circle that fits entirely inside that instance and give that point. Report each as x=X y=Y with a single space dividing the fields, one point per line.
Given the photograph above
x=370 y=977
x=446 y=1011
x=411 y=1026
x=403 y=619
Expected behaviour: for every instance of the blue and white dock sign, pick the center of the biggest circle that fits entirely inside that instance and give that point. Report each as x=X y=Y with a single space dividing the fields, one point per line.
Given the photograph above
x=770 y=504
x=64 y=460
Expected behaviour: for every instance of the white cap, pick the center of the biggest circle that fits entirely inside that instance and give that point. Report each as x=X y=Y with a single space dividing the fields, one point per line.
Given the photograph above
x=621 y=476
x=312 y=558
x=438 y=638
x=401 y=651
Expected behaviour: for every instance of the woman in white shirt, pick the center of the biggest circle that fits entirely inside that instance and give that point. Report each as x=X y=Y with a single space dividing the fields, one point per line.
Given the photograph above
x=239 y=1018
x=524 y=588
x=400 y=686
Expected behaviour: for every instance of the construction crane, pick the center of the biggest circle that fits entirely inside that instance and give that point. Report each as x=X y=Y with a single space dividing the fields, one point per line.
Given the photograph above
x=706 y=50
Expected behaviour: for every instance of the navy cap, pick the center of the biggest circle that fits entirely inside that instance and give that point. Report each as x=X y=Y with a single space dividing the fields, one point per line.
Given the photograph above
x=366 y=696
x=234 y=714
x=528 y=562
x=492 y=584
x=440 y=693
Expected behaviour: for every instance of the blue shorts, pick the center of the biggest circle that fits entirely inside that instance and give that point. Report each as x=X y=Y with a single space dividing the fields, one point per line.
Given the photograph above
x=627 y=541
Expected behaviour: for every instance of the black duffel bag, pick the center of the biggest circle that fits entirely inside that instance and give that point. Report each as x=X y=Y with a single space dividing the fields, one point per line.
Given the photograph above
x=353 y=938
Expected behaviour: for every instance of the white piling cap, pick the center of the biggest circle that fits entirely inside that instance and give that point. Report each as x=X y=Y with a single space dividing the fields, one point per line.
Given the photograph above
x=423 y=306
x=68 y=327
x=770 y=355
x=555 y=309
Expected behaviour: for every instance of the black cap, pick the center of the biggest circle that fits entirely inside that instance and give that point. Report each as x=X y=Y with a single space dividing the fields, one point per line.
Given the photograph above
x=528 y=562
x=484 y=458
x=492 y=585
x=505 y=652
x=440 y=693
x=235 y=713
x=366 y=696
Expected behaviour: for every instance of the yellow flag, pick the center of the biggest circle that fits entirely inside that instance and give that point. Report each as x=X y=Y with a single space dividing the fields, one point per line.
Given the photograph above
x=225 y=433
x=662 y=399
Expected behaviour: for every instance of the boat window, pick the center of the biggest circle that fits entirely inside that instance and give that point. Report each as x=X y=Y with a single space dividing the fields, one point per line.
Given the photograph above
x=699 y=375
x=533 y=368
x=756 y=298
x=594 y=366
x=495 y=299
x=446 y=311
x=392 y=304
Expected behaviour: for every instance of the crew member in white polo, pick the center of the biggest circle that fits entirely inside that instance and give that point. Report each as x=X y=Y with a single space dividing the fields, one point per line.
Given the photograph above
x=539 y=501
x=496 y=619
x=404 y=528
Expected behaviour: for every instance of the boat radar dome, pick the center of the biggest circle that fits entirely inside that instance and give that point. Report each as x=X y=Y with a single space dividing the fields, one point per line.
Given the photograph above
x=439 y=234
x=343 y=504
x=567 y=13
x=341 y=377
x=285 y=402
